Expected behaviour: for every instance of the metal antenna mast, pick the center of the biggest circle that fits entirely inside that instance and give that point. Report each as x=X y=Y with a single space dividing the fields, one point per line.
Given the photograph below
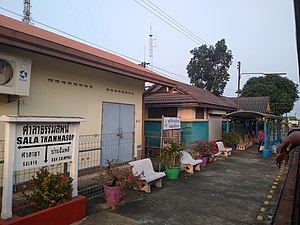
x=26 y=12
x=151 y=47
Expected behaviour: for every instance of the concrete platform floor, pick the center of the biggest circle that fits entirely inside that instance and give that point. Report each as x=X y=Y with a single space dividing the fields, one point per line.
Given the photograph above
x=241 y=189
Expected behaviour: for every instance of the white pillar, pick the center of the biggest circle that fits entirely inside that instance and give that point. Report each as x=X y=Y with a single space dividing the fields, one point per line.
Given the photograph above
x=74 y=162
x=8 y=169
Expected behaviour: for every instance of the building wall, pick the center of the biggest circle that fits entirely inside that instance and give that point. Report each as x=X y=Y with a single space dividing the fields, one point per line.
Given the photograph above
x=194 y=131
x=61 y=88
x=186 y=113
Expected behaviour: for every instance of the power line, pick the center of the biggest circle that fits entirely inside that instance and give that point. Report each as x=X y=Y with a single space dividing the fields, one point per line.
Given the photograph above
x=174 y=24
x=96 y=45
x=171 y=19
x=75 y=19
x=92 y=22
x=170 y=24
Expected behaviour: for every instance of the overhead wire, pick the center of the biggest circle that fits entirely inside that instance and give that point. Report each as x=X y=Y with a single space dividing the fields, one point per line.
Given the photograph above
x=176 y=25
x=82 y=34
x=96 y=45
x=179 y=27
x=171 y=19
x=89 y=12
x=169 y=23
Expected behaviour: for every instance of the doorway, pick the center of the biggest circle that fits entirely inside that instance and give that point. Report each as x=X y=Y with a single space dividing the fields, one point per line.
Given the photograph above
x=117 y=132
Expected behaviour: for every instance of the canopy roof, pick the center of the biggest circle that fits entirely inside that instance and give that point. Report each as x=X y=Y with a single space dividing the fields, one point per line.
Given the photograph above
x=245 y=114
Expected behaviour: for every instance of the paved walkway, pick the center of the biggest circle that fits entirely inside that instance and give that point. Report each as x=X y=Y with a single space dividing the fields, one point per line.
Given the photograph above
x=242 y=189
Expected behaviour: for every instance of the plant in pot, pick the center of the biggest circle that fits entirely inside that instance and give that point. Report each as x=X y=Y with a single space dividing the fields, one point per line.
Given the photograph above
x=204 y=151
x=50 y=200
x=169 y=156
x=114 y=178
x=230 y=139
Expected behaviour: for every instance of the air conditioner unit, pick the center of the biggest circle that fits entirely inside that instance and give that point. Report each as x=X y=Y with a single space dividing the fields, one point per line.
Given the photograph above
x=15 y=73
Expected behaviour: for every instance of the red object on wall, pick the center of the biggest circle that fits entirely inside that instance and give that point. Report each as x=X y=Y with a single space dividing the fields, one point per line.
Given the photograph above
x=63 y=214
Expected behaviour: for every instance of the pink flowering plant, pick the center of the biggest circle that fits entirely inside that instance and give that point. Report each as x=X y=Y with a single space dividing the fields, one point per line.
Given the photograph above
x=49 y=189
x=205 y=148
x=115 y=175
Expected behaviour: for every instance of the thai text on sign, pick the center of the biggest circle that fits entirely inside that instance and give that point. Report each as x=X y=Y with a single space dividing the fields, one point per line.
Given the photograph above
x=171 y=123
x=42 y=144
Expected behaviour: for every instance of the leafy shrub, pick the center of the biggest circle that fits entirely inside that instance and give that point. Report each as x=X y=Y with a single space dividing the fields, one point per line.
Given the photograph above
x=49 y=189
x=116 y=176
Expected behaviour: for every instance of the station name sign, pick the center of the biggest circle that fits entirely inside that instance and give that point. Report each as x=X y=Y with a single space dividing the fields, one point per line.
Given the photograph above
x=171 y=123
x=43 y=144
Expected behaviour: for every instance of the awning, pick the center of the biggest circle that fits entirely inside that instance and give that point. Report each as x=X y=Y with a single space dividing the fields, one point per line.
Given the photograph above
x=243 y=114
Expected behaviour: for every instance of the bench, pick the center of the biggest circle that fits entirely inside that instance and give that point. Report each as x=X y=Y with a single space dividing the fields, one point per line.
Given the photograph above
x=224 y=151
x=244 y=143
x=145 y=167
x=188 y=163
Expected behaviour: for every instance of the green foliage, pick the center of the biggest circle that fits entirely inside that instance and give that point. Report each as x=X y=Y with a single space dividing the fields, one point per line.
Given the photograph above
x=115 y=175
x=283 y=93
x=230 y=138
x=171 y=152
x=208 y=67
x=49 y=189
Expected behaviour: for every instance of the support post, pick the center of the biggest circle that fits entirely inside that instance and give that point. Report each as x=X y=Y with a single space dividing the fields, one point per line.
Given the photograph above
x=8 y=169
x=239 y=85
x=74 y=164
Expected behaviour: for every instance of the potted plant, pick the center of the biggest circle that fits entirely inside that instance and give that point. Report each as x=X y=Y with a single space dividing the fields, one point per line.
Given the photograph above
x=204 y=150
x=114 y=178
x=230 y=139
x=50 y=199
x=169 y=156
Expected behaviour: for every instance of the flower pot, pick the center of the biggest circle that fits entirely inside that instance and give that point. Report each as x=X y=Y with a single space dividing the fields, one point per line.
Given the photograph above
x=173 y=172
x=204 y=162
x=65 y=213
x=113 y=195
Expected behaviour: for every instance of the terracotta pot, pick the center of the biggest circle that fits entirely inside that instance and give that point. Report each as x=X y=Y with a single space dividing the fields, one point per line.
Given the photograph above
x=113 y=195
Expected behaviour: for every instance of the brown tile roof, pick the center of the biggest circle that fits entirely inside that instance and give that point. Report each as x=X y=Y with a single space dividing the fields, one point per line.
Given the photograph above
x=257 y=104
x=28 y=37
x=185 y=93
x=168 y=98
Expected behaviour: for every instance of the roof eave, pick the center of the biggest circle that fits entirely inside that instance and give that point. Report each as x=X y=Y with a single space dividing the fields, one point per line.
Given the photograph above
x=32 y=43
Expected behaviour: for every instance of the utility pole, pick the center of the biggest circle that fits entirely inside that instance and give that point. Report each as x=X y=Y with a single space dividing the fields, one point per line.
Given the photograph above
x=26 y=12
x=239 y=85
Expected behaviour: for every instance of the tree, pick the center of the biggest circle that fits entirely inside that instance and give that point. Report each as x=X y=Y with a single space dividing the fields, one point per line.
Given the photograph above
x=283 y=92
x=208 y=67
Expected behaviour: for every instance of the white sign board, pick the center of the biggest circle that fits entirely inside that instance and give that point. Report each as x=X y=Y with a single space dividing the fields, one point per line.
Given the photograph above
x=171 y=123
x=35 y=142
x=43 y=144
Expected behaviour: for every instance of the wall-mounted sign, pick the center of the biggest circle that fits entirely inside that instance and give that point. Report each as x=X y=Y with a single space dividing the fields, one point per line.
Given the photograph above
x=43 y=144
x=171 y=123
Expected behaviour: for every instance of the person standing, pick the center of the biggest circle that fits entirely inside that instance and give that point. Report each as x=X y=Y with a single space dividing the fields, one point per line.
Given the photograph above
x=261 y=136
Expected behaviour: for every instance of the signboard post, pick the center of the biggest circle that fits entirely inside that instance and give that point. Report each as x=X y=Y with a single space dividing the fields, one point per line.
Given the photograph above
x=168 y=125
x=32 y=142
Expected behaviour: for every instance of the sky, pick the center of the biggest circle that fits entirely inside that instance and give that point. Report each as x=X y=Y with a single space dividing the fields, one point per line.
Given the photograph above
x=260 y=33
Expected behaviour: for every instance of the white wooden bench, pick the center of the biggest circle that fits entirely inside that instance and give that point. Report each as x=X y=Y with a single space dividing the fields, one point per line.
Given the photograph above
x=224 y=151
x=188 y=163
x=145 y=167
